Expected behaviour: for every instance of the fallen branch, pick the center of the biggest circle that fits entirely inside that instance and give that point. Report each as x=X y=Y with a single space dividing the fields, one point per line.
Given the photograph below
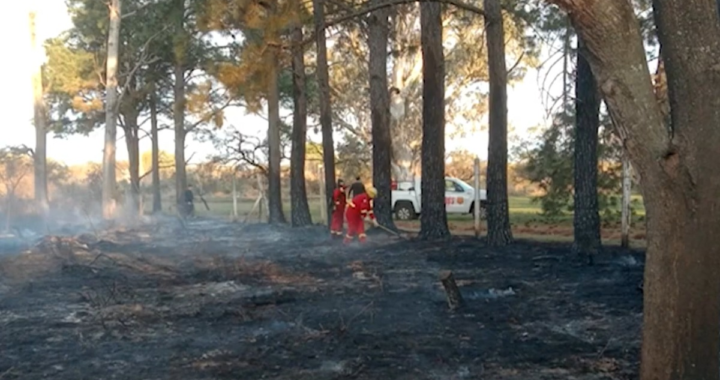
x=102 y=255
x=6 y=372
x=546 y=257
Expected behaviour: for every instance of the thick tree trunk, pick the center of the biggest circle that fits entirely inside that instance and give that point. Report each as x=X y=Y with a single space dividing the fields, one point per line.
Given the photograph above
x=179 y=107
x=680 y=183
x=300 y=210
x=133 y=148
x=380 y=115
x=40 y=121
x=433 y=222
x=586 y=217
x=157 y=199
x=111 y=109
x=498 y=213
x=323 y=78
x=275 y=214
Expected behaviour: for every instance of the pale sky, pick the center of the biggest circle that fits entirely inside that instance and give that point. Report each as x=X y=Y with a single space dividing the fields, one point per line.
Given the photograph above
x=525 y=108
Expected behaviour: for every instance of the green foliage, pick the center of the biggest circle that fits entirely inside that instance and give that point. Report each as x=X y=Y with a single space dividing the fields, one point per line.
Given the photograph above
x=73 y=88
x=311 y=87
x=262 y=29
x=548 y=163
x=15 y=164
x=355 y=158
x=150 y=45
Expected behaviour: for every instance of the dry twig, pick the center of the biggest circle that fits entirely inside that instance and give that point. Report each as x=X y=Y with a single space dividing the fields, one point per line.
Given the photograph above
x=6 y=372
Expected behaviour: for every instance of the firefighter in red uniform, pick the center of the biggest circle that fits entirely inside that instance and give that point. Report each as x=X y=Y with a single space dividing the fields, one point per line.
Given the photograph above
x=338 y=215
x=359 y=208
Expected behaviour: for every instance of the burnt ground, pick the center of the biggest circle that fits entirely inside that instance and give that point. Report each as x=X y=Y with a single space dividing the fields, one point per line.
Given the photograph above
x=224 y=301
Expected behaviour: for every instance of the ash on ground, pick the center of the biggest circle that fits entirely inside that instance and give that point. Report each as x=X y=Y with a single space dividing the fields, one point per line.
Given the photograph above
x=216 y=300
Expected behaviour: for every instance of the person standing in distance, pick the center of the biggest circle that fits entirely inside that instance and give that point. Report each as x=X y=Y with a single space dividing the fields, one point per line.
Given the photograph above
x=338 y=215
x=189 y=202
x=356 y=188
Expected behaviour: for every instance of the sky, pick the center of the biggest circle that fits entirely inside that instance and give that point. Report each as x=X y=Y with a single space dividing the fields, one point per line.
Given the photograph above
x=525 y=108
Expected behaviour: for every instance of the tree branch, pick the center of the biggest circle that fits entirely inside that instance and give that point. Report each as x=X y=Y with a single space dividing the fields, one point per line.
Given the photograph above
x=134 y=12
x=517 y=62
x=227 y=104
x=389 y=3
x=142 y=61
x=374 y=7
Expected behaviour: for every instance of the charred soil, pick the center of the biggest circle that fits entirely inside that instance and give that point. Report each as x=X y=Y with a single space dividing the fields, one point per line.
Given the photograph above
x=215 y=300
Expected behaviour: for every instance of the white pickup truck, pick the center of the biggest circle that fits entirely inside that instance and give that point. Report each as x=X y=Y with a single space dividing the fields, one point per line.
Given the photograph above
x=459 y=198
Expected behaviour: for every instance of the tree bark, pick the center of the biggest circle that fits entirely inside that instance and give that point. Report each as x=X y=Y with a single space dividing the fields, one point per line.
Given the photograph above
x=300 y=210
x=40 y=121
x=179 y=109
x=179 y=126
x=323 y=78
x=380 y=115
x=626 y=198
x=275 y=212
x=661 y=91
x=157 y=199
x=111 y=109
x=132 y=141
x=498 y=214
x=586 y=216
x=433 y=222
x=680 y=184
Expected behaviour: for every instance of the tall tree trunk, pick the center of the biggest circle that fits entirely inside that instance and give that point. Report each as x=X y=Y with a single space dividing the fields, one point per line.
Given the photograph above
x=132 y=141
x=40 y=121
x=179 y=126
x=405 y=73
x=157 y=199
x=380 y=115
x=680 y=183
x=498 y=213
x=300 y=210
x=111 y=110
x=433 y=222
x=323 y=78
x=275 y=213
x=586 y=217
x=179 y=107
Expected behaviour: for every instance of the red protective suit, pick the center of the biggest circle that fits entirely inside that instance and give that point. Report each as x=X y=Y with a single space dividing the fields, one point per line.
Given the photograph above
x=358 y=209
x=339 y=200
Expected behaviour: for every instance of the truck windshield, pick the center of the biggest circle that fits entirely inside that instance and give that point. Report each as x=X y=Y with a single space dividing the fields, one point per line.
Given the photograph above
x=463 y=184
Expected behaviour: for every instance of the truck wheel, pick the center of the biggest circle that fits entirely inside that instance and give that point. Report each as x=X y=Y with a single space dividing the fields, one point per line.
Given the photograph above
x=405 y=211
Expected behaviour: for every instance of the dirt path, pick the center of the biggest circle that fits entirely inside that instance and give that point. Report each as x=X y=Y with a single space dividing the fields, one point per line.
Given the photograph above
x=225 y=301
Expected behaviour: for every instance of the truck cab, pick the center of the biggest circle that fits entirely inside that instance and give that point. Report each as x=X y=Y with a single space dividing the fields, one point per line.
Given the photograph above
x=459 y=198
